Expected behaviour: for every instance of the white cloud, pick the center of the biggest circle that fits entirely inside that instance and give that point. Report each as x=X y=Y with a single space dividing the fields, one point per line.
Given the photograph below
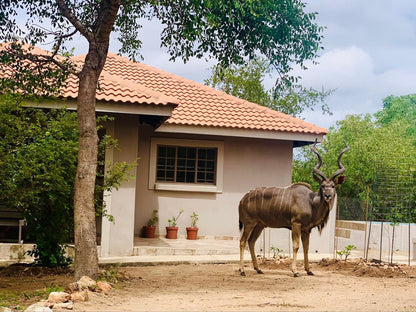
x=344 y=69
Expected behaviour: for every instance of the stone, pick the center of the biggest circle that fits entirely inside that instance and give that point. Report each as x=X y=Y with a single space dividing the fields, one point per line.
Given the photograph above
x=86 y=282
x=59 y=296
x=63 y=306
x=104 y=286
x=72 y=287
x=4 y=309
x=38 y=307
x=79 y=296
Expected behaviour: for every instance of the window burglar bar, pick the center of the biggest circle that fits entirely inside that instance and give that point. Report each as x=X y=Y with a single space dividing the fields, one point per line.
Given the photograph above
x=186 y=164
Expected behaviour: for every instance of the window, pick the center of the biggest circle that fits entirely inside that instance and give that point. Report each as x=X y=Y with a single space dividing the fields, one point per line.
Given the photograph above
x=186 y=165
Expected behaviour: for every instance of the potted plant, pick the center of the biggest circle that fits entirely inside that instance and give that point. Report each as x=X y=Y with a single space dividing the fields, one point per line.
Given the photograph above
x=192 y=231
x=150 y=228
x=172 y=229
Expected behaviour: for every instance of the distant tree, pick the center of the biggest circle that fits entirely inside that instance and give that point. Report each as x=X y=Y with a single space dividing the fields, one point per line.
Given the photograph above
x=226 y=30
x=246 y=81
x=399 y=108
x=374 y=147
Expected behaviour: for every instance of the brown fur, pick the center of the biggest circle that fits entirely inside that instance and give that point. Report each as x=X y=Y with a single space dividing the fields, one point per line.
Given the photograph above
x=295 y=207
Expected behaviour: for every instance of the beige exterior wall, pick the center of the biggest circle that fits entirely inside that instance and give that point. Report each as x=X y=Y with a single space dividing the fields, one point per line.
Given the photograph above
x=247 y=163
x=117 y=237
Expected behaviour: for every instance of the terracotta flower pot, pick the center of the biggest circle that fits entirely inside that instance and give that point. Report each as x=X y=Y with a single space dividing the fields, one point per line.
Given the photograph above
x=191 y=233
x=149 y=231
x=172 y=232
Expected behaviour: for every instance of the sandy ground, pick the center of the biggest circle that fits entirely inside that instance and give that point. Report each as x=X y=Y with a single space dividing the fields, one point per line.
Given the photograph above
x=221 y=288
x=336 y=286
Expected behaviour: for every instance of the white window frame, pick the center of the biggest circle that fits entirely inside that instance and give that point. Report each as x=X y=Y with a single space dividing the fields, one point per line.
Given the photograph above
x=187 y=187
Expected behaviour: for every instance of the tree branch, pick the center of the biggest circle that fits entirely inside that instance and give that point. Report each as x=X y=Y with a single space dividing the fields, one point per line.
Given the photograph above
x=75 y=21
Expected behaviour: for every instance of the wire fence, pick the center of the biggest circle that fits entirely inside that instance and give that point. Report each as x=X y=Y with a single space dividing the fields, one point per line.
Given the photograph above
x=388 y=213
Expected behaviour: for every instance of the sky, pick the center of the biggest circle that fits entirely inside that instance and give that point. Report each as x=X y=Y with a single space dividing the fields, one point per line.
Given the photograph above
x=369 y=53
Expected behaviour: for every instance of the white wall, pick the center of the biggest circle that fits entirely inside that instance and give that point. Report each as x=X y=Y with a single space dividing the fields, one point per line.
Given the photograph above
x=117 y=237
x=378 y=236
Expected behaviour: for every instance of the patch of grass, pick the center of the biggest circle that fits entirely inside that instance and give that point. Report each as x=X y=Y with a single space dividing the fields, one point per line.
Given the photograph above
x=112 y=274
x=20 y=300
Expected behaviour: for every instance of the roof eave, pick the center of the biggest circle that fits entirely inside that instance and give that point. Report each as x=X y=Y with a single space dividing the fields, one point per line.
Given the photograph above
x=111 y=107
x=298 y=138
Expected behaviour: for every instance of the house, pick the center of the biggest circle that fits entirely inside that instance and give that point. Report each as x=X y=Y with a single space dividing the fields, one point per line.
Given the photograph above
x=199 y=150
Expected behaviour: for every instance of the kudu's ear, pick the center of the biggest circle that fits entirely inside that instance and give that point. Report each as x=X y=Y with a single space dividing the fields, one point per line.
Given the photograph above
x=340 y=180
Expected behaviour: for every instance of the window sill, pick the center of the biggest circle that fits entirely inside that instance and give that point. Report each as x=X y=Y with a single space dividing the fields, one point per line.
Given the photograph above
x=182 y=187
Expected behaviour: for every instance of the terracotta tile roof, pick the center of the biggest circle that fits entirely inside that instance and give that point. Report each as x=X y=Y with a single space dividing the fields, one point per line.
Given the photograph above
x=197 y=105
x=200 y=105
x=116 y=89
x=111 y=88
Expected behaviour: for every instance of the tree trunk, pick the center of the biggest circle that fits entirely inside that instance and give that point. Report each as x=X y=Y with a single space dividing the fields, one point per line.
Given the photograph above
x=86 y=256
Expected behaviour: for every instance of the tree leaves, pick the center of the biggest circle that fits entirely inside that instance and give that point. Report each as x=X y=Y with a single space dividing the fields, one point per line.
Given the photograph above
x=377 y=145
x=246 y=82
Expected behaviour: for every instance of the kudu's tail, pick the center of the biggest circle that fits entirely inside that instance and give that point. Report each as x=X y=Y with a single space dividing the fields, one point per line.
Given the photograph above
x=240 y=225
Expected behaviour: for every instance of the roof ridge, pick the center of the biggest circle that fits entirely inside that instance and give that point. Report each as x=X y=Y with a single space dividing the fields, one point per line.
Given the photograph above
x=236 y=100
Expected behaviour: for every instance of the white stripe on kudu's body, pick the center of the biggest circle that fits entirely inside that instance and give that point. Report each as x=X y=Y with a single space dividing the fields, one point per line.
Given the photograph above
x=295 y=207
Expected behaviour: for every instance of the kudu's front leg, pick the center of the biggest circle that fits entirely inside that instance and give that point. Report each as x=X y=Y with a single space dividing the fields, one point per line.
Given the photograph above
x=305 y=244
x=296 y=229
x=243 y=240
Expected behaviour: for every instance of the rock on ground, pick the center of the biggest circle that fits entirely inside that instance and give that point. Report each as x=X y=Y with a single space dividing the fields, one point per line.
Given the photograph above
x=56 y=297
x=104 y=286
x=86 y=282
x=38 y=307
x=79 y=296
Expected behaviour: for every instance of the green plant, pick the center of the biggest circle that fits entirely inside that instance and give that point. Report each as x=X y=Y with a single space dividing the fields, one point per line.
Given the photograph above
x=194 y=219
x=112 y=274
x=276 y=251
x=152 y=221
x=34 y=182
x=173 y=222
x=346 y=251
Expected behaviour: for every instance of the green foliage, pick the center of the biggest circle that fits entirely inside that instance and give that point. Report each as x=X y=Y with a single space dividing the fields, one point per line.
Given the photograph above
x=38 y=158
x=277 y=252
x=173 y=222
x=246 y=82
x=152 y=221
x=377 y=145
x=229 y=31
x=194 y=219
x=346 y=252
x=399 y=108
x=38 y=150
x=112 y=274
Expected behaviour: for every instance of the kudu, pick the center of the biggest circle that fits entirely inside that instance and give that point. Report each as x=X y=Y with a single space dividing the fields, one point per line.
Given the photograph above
x=295 y=207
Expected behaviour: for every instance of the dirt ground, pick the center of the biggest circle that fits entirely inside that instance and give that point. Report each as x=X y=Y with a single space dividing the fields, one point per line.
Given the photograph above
x=354 y=285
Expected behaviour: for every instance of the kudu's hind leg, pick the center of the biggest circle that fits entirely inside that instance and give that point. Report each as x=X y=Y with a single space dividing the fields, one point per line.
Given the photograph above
x=247 y=229
x=305 y=244
x=251 y=242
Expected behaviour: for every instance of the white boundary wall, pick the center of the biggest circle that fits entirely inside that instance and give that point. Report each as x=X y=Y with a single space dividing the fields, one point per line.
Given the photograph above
x=361 y=233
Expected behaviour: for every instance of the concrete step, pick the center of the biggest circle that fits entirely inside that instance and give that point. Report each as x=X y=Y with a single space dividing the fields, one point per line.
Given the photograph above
x=166 y=251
